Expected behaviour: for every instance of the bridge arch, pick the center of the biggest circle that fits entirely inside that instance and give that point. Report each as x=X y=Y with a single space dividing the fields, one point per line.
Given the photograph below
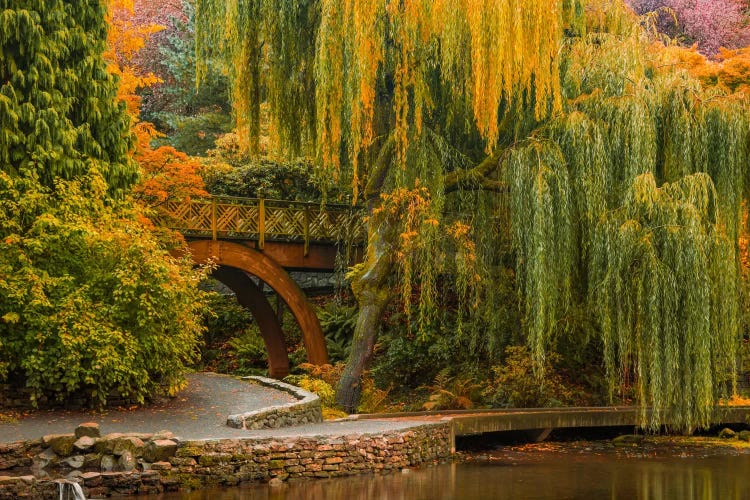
x=234 y=260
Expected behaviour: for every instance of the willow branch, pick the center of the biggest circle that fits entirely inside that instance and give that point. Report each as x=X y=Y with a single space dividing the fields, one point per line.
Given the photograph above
x=477 y=177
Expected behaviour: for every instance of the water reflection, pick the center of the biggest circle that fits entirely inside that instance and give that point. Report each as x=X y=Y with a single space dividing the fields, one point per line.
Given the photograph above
x=558 y=476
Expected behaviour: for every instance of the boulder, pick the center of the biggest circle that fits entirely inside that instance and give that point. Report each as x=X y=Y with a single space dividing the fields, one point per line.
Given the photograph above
x=163 y=435
x=116 y=444
x=62 y=444
x=88 y=429
x=126 y=462
x=107 y=463
x=727 y=433
x=628 y=440
x=75 y=462
x=92 y=460
x=744 y=435
x=44 y=459
x=159 y=450
x=84 y=443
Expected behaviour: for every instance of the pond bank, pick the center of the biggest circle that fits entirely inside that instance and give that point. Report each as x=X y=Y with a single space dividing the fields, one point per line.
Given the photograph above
x=166 y=464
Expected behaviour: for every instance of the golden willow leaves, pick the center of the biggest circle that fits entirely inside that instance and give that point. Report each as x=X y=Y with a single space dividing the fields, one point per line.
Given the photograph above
x=494 y=53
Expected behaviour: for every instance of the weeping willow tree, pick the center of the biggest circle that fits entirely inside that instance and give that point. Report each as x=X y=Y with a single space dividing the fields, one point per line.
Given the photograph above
x=621 y=175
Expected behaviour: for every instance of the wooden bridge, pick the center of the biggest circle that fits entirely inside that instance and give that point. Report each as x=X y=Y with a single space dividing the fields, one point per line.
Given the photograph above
x=538 y=423
x=247 y=237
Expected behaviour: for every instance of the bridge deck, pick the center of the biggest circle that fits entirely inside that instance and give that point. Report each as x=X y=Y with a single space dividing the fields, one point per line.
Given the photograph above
x=476 y=422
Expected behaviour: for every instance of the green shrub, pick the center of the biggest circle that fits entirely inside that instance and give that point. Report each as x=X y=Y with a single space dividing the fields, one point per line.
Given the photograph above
x=453 y=392
x=230 y=172
x=337 y=323
x=515 y=385
x=249 y=353
x=90 y=303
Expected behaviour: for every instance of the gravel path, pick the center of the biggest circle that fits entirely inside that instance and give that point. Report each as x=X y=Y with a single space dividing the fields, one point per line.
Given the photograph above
x=198 y=412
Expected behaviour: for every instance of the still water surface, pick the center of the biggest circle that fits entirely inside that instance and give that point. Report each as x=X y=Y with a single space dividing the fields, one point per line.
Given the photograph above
x=587 y=476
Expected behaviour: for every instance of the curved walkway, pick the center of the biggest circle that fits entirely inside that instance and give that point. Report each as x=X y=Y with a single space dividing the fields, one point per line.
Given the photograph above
x=198 y=412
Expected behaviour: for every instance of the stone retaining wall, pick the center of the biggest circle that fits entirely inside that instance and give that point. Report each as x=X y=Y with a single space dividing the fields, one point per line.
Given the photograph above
x=19 y=398
x=192 y=465
x=306 y=410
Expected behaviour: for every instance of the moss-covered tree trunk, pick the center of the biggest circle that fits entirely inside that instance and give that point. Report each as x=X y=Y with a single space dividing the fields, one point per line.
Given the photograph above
x=370 y=286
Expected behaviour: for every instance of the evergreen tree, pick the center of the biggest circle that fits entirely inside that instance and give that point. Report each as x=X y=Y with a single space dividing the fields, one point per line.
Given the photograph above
x=59 y=117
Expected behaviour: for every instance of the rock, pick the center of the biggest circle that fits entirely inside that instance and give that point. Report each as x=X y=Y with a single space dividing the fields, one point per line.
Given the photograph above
x=130 y=444
x=84 y=443
x=107 y=463
x=161 y=466
x=744 y=435
x=126 y=462
x=44 y=459
x=405 y=471
x=62 y=444
x=91 y=478
x=163 y=435
x=628 y=440
x=92 y=460
x=275 y=482
x=88 y=429
x=75 y=462
x=727 y=433
x=159 y=450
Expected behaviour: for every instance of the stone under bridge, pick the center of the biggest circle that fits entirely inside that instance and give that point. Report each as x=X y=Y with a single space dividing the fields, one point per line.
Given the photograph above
x=246 y=237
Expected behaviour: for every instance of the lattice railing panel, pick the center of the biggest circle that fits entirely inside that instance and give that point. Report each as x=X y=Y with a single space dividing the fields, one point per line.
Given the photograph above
x=262 y=219
x=237 y=219
x=285 y=222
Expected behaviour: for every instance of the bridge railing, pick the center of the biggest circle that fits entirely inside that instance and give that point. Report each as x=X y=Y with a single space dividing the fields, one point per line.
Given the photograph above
x=264 y=220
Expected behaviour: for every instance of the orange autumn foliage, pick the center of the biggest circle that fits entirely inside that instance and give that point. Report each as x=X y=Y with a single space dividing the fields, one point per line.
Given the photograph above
x=166 y=174
x=729 y=70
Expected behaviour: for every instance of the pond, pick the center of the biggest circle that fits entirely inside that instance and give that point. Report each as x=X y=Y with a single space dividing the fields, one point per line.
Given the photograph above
x=547 y=471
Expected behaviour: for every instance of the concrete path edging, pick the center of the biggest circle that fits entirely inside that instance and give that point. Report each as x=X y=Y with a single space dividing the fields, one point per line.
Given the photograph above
x=306 y=410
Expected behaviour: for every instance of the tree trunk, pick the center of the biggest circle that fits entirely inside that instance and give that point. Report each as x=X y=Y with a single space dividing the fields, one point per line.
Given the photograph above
x=372 y=293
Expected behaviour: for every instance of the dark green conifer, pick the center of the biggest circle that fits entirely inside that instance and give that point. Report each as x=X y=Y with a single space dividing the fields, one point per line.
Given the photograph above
x=59 y=117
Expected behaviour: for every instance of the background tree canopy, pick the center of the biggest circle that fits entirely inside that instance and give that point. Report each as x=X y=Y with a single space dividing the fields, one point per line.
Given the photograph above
x=622 y=175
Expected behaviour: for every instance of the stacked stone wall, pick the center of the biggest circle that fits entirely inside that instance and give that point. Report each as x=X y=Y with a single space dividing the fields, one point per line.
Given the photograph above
x=127 y=464
x=306 y=410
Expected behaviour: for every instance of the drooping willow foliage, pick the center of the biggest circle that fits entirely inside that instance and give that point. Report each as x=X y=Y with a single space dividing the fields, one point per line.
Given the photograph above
x=621 y=176
x=634 y=197
x=369 y=64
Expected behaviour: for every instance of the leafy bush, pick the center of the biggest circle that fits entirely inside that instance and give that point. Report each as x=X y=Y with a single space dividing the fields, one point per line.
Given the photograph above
x=337 y=323
x=453 y=393
x=231 y=172
x=224 y=318
x=322 y=379
x=90 y=303
x=249 y=353
x=515 y=385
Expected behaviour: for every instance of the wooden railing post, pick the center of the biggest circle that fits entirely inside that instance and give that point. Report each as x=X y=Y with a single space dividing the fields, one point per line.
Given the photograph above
x=214 y=229
x=261 y=223
x=306 y=231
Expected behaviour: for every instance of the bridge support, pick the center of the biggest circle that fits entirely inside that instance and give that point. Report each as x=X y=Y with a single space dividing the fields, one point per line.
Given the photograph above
x=244 y=259
x=249 y=295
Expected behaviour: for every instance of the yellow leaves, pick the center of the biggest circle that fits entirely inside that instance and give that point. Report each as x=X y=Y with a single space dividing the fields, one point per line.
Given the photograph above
x=11 y=317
